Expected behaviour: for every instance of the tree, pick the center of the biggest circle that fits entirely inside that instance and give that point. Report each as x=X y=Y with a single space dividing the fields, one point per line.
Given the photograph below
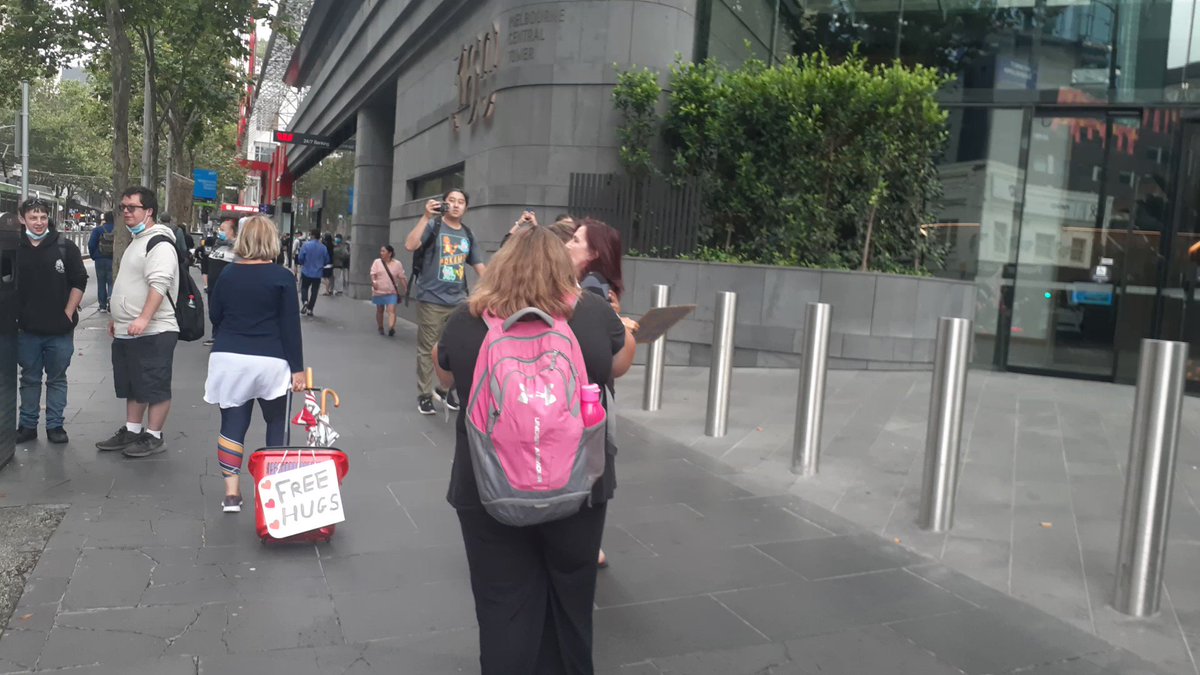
x=36 y=38
x=333 y=178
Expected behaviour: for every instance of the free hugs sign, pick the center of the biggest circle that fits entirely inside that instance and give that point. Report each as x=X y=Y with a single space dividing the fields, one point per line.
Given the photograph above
x=301 y=499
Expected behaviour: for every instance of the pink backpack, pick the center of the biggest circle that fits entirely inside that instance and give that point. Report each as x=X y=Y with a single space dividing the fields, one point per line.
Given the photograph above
x=534 y=459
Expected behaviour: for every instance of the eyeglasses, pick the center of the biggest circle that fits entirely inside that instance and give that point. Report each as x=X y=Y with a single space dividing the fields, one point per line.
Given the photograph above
x=130 y=208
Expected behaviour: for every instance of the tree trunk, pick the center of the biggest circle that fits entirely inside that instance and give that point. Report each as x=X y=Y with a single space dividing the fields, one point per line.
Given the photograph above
x=121 y=56
x=866 y=254
x=181 y=202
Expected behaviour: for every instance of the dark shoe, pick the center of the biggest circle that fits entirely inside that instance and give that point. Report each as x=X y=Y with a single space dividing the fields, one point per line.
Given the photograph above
x=119 y=441
x=381 y=331
x=391 y=332
x=24 y=434
x=232 y=504
x=449 y=398
x=146 y=445
x=57 y=435
x=425 y=405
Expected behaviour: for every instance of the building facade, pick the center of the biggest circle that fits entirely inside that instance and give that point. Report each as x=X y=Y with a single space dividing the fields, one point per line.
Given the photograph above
x=1071 y=183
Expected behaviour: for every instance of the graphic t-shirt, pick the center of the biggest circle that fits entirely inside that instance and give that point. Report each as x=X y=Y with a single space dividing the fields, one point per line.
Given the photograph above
x=443 y=279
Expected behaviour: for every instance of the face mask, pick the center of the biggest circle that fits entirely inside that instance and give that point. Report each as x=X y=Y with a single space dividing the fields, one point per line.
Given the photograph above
x=36 y=237
x=222 y=237
x=137 y=229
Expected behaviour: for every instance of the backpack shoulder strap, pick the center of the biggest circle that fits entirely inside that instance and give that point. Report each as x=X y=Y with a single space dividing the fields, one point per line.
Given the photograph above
x=156 y=240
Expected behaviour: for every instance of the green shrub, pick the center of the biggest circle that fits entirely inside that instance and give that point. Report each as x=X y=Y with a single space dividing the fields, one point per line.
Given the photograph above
x=807 y=162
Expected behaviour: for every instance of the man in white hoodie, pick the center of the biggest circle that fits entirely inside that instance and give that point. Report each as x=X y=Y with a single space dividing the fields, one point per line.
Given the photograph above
x=143 y=327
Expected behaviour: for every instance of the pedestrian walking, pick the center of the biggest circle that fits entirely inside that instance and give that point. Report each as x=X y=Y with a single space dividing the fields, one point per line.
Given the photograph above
x=387 y=285
x=100 y=248
x=534 y=586
x=51 y=279
x=595 y=251
x=258 y=353
x=220 y=254
x=327 y=271
x=143 y=327
x=313 y=258
x=341 y=264
x=443 y=246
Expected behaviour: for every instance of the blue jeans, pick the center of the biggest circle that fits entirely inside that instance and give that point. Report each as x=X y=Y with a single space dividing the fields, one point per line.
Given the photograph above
x=104 y=281
x=52 y=354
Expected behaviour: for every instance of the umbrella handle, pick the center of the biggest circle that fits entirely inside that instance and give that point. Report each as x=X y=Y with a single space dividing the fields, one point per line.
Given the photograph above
x=337 y=402
x=308 y=378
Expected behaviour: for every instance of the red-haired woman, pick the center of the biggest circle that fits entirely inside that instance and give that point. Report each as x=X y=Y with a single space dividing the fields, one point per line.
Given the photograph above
x=595 y=252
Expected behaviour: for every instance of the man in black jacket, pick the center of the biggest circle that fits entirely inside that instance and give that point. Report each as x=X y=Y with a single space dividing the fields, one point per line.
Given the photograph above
x=50 y=283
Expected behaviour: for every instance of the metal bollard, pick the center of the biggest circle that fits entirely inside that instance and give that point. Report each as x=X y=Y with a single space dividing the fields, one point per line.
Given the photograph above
x=1157 y=410
x=810 y=404
x=655 y=356
x=943 y=436
x=721 y=372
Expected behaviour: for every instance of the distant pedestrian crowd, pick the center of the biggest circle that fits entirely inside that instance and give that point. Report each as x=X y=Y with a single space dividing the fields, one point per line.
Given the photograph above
x=524 y=343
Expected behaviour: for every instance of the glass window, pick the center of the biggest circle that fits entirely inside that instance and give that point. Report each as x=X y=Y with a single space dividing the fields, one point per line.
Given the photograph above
x=436 y=184
x=263 y=151
x=1048 y=51
x=981 y=182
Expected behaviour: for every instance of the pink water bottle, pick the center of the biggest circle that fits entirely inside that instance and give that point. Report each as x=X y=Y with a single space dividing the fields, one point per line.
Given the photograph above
x=590 y=409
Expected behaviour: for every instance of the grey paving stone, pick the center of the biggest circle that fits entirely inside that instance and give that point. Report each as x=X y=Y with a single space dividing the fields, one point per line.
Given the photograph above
x=632 y=634
x=109 y=578
x=278 y=662
x=177 y=665
x=20 y=649
x=384 y=570
x=874 y=649
x=404 y=612
x=67 y=647
x=680 y=573
x=725 y=523
x=770 y=658
x=1010 y=644
x=817 y=559
x=837 y=604
x=282 y=623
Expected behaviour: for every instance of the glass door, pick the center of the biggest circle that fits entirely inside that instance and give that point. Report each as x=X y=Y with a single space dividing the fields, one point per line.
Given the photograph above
x=1181 y=293
x=1085 y=279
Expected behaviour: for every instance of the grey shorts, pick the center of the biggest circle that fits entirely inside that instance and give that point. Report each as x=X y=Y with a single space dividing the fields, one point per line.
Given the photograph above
x=142 y=367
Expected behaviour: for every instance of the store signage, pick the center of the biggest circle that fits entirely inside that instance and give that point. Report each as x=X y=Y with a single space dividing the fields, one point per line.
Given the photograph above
x=239 y=208
x=297 y=138
x=477 y=62
x=205 y=186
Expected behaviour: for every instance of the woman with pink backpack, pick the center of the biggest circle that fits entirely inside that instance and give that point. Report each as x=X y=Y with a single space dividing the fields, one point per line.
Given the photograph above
x=530 y=478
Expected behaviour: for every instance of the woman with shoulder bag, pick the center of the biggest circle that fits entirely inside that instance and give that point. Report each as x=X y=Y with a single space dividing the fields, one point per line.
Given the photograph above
x=388 y=284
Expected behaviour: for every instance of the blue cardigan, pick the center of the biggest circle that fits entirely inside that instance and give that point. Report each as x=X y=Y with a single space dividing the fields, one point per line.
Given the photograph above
x=254 y=310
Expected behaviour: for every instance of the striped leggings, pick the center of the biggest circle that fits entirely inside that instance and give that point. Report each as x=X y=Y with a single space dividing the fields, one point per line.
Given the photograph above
x=235 y=422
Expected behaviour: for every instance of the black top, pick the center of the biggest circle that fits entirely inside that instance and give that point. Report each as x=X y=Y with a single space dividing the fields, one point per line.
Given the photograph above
x=219 y=256
x=46 y=273
x=600 y=334
x=255 y=310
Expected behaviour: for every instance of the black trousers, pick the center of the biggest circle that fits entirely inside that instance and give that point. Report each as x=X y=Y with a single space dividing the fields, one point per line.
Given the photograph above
x=534 y=588
x=309 y=290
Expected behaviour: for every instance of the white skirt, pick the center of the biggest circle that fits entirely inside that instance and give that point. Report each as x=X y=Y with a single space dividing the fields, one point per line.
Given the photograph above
x=234 y=379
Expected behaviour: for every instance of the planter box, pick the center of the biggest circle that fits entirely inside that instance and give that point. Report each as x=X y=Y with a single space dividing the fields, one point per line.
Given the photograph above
x=880 y=321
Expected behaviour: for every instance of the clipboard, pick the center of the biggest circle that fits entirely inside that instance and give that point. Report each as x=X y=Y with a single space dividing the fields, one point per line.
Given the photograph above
x=655 y=323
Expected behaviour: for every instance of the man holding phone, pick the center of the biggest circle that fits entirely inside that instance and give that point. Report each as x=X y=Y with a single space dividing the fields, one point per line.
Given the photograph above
x=143 y=327
x=443 y=246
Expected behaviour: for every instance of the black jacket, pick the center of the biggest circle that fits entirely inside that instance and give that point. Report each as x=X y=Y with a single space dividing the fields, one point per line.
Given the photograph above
x=46 y=273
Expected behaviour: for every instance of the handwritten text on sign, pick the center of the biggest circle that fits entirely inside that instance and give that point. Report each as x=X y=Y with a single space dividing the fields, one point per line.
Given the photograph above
x=301 y=499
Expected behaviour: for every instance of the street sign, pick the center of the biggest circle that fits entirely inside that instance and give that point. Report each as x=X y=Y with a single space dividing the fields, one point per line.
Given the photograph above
x=205 y=187
x=297 y=138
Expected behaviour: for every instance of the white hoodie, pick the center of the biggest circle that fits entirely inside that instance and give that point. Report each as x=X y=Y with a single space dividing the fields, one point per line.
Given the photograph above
x=139 y=272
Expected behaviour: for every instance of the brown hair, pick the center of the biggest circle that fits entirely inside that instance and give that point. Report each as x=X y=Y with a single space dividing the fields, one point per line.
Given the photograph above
x=563 y=229
x=605 y=241
x=532 y=269
x=258 y=239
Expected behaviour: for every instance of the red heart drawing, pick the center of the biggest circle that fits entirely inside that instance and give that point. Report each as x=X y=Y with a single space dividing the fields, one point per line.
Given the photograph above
x=266 y=485
x=274 y=525
x=270 y=504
